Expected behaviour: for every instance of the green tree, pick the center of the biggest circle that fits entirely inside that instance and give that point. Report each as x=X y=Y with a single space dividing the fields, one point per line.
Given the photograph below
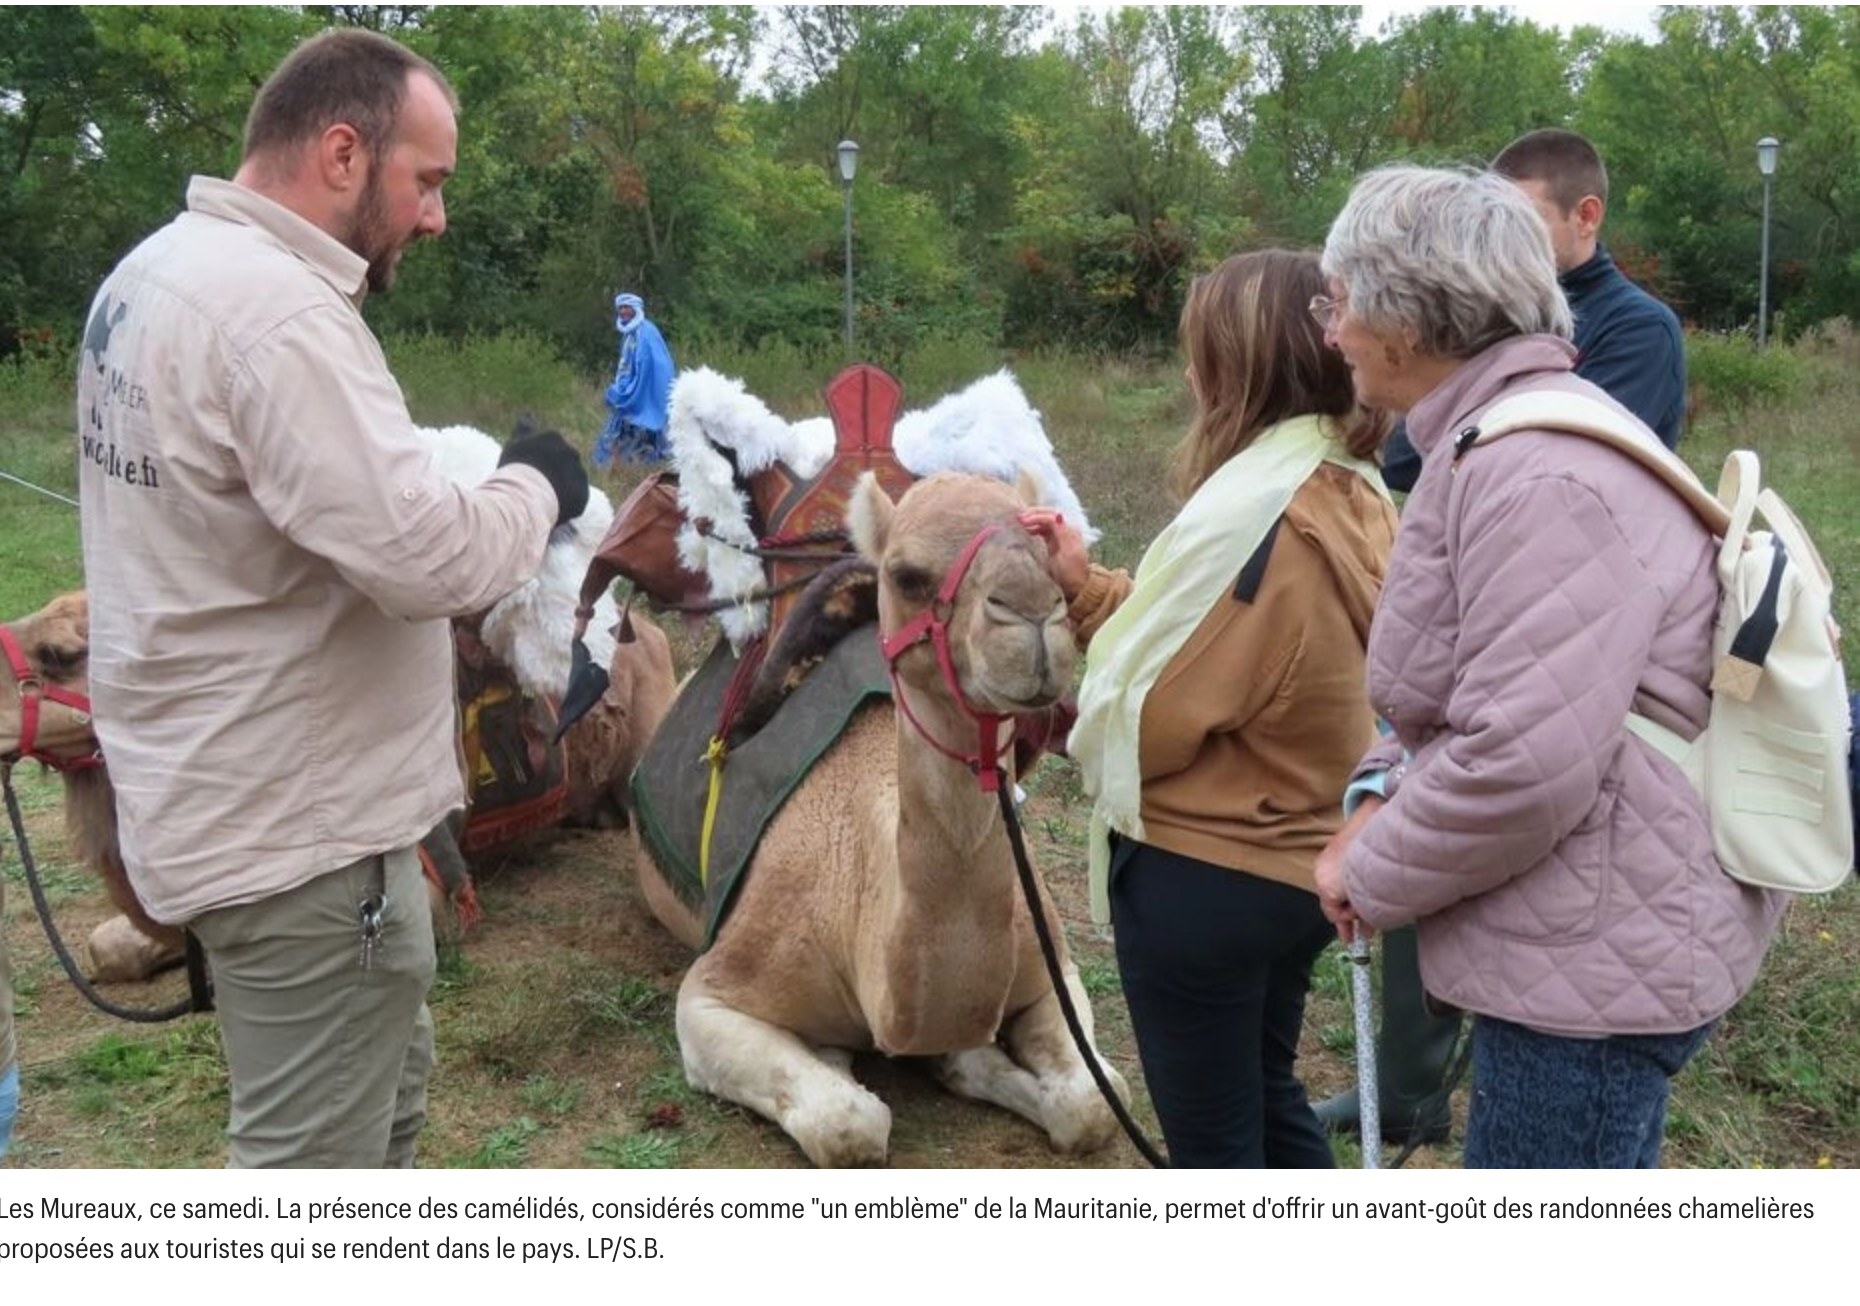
x=1316 y=116
x=1125 y=198
x=1678 y=121
x=104 y=113
x=1470 y=79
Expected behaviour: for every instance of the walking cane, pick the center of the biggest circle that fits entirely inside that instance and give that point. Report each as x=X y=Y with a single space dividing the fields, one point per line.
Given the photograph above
x=1368 y=1100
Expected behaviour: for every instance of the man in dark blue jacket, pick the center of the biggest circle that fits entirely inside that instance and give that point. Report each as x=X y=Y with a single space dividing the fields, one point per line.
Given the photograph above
x=1627 y=342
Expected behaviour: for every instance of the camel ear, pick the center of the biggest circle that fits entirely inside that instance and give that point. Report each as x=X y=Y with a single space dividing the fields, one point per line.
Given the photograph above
x=868 y=517
x=1028 y=486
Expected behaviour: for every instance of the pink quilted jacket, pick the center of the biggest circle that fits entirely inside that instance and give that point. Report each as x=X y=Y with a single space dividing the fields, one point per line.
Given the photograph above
x=1561 y=872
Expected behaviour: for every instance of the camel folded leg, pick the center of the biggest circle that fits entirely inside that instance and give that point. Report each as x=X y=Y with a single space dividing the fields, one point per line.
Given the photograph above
x=1037 y=1072
x=122 y=950
x=810 y=1092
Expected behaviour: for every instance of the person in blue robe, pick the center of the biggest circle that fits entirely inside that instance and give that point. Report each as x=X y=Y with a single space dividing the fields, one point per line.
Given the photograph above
x=641 y=391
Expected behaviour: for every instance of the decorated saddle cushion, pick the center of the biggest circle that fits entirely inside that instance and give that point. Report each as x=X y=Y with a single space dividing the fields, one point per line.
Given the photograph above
x=671 y=787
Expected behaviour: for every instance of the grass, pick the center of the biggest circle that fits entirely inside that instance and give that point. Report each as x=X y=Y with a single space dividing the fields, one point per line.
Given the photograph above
x=555 y=1018
x=41 y=799
x=140 y=1099
x=634 y=1152
x=507 y=1148
x=40 y=552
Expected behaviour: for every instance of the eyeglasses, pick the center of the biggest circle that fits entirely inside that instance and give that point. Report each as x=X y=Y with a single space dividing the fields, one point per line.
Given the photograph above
x=1324 y=310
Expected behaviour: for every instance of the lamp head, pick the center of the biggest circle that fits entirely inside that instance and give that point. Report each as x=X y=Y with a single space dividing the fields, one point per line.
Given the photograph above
x=849 y=160
x=1767 y=149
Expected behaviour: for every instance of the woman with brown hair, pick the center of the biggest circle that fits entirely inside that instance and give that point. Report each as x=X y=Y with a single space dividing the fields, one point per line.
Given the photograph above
x=1223 y=709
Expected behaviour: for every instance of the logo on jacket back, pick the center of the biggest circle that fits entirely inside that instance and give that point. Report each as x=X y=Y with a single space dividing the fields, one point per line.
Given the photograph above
x=112 y=388
x=99 y=329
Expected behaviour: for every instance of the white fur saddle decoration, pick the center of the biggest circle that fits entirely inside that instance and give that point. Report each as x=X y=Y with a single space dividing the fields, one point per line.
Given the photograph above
x=530 y=629
x=988 y=429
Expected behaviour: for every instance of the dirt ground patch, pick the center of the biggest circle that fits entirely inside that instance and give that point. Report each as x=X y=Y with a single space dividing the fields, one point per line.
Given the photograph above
x=557 y=1049
x=554 y=1019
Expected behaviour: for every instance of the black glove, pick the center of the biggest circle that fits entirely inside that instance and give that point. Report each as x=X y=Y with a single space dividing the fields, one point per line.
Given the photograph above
x=560 y=465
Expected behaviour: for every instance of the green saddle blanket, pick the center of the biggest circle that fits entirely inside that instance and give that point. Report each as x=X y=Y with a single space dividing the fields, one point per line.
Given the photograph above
x=672 y=782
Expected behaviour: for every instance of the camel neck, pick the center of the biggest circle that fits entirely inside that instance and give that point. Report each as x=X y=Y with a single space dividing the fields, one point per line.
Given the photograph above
x=948 y=913
x=945 y=818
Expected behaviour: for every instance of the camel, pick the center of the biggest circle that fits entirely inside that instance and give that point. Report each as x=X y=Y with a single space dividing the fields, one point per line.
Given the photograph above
x=881 y=908
x=527 y=631
x=55 y=642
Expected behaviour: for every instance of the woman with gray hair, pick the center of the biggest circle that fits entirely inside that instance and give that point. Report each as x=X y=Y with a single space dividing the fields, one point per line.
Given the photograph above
x=1560 y=871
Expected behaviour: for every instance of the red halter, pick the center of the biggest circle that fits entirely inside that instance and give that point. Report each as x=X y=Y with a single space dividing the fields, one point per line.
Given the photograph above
x=933 y=624
x=33 y=690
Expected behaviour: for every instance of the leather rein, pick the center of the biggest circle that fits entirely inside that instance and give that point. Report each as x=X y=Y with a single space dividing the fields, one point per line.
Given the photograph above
x=34 y=693
x=985 y=763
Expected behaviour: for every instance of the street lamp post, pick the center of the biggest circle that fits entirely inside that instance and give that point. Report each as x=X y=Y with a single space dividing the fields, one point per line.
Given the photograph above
x=849 y=164
x=1766 y=164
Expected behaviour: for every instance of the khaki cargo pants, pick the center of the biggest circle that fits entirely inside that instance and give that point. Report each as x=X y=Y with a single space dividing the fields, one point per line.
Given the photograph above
x=329 y=1042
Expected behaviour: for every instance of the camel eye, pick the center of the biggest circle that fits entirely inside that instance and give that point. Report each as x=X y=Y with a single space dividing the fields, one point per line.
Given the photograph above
x=58 y=662
x=912 y=582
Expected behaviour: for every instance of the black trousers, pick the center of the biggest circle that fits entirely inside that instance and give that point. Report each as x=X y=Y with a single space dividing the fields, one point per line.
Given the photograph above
x=1216 y=965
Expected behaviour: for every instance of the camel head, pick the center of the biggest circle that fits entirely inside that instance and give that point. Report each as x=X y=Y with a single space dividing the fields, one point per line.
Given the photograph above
x=54 y=644
x=1009 y=640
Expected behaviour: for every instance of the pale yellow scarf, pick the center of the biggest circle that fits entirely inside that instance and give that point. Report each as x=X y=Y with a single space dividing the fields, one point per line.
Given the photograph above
x=1182 y=575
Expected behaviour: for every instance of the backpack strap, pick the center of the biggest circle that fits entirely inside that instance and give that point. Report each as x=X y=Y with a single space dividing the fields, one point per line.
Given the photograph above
x=1579 y=414
x=1666 y=742
x=1727 y=515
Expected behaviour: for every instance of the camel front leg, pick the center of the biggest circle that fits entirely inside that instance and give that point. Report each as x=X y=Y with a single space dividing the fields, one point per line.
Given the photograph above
x=809 y=1092
x=1036 y=1071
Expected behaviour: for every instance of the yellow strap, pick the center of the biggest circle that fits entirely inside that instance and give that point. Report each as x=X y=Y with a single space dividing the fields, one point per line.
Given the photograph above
x=715 y=755
x=478 y=768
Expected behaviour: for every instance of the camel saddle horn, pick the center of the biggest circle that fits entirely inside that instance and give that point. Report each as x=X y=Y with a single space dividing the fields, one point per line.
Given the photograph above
x=864 y=401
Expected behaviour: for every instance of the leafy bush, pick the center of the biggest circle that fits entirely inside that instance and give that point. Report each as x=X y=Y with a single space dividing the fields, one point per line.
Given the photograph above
x=1730 y=371
x=489 y=381
x=37 y=387
x=781 y=371
x=789 y=375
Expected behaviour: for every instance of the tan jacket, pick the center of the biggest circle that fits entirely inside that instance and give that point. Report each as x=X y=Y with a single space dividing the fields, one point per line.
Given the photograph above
x=271 y=556
x=1250 y=734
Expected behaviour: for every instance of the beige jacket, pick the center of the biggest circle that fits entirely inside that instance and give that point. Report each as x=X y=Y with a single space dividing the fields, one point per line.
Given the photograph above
x=271 y=556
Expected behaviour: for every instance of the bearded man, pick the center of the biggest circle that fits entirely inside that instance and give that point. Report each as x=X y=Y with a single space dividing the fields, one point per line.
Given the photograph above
x=272 y=559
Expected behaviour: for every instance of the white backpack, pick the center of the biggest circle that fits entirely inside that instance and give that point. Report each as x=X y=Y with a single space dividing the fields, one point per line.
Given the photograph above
x=1772 y=762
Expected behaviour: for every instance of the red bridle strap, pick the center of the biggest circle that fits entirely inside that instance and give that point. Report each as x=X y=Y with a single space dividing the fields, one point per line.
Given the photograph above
x=933 y=624
x=33 y=690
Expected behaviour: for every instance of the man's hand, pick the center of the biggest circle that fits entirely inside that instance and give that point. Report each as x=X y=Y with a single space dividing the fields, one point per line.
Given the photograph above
x=560 y=464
